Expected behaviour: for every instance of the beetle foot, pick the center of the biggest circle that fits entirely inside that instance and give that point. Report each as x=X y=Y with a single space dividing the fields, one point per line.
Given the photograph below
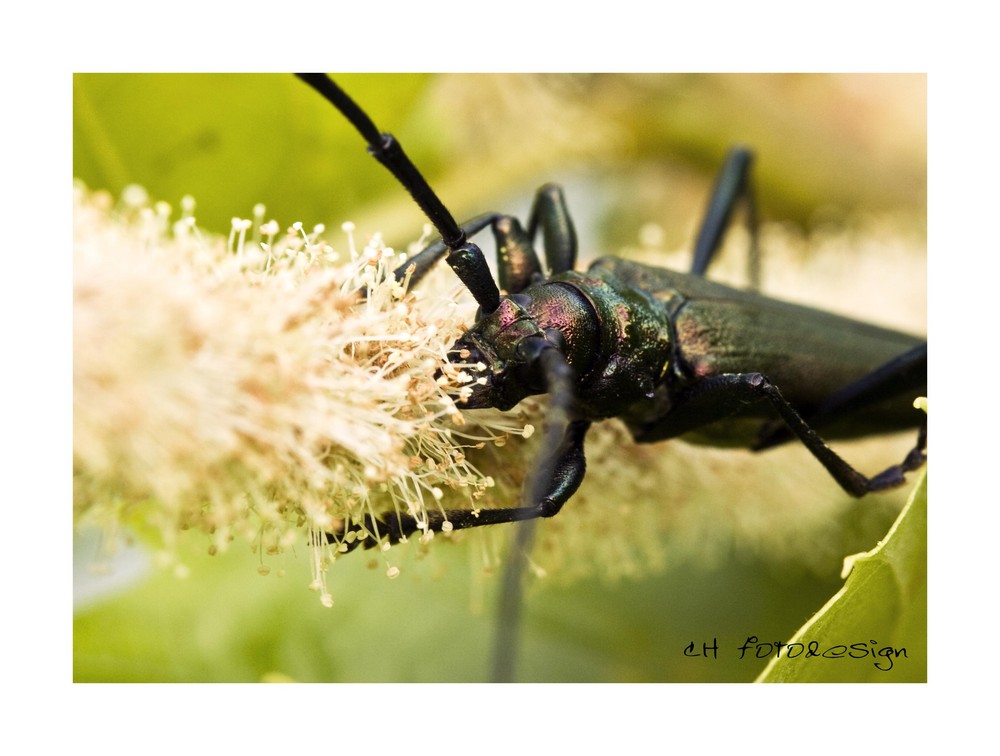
x=372 y=532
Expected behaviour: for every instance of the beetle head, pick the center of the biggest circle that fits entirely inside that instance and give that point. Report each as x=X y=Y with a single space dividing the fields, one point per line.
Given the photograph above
x=500 y=354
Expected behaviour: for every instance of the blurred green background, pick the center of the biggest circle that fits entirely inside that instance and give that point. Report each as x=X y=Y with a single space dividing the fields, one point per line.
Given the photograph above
x=650 y=143
x=630 y=149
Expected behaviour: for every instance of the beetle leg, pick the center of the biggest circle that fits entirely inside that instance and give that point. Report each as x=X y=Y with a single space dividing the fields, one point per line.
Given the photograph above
x=517 y=263
x=559 y=472
x=550 y=212
x=732 y=186
x=723 y=396
x=903 y=376
x=566 y=476
x=553 y=487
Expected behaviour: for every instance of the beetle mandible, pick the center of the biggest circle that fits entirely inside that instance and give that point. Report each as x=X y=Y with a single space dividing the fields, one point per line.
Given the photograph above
x=651 y=346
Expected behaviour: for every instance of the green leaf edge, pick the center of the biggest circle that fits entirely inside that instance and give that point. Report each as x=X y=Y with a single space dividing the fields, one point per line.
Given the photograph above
x=908 y=533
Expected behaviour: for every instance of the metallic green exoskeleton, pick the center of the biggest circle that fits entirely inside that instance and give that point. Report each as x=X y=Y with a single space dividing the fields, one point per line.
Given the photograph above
x=672 y=354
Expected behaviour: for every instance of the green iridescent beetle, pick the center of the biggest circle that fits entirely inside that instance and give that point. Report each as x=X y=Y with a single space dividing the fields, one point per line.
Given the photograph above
x=669 y=353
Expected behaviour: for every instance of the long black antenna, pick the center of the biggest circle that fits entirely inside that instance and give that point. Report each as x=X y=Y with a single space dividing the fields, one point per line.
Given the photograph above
x=465 y=258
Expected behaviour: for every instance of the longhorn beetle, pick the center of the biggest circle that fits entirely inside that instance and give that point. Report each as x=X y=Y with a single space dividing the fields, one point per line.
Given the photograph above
x=667 y=352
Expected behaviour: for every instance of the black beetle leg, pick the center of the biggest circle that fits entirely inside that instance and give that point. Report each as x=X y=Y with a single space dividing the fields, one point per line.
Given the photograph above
x=732 y=186
x=902 y=375
x=549 y=211
x=559 y=472
x=721 y=396
x=558 y=485
x=517 y=263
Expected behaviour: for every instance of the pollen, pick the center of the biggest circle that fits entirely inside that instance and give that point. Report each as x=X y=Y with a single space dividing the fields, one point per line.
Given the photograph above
x=326 y=407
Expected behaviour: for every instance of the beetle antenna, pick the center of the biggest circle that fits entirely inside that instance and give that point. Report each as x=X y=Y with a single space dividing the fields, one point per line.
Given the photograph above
x=465 y=258
x=389 y=152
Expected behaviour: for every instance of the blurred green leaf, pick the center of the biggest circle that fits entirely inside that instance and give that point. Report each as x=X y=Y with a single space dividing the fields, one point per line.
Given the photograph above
x=882 y=607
